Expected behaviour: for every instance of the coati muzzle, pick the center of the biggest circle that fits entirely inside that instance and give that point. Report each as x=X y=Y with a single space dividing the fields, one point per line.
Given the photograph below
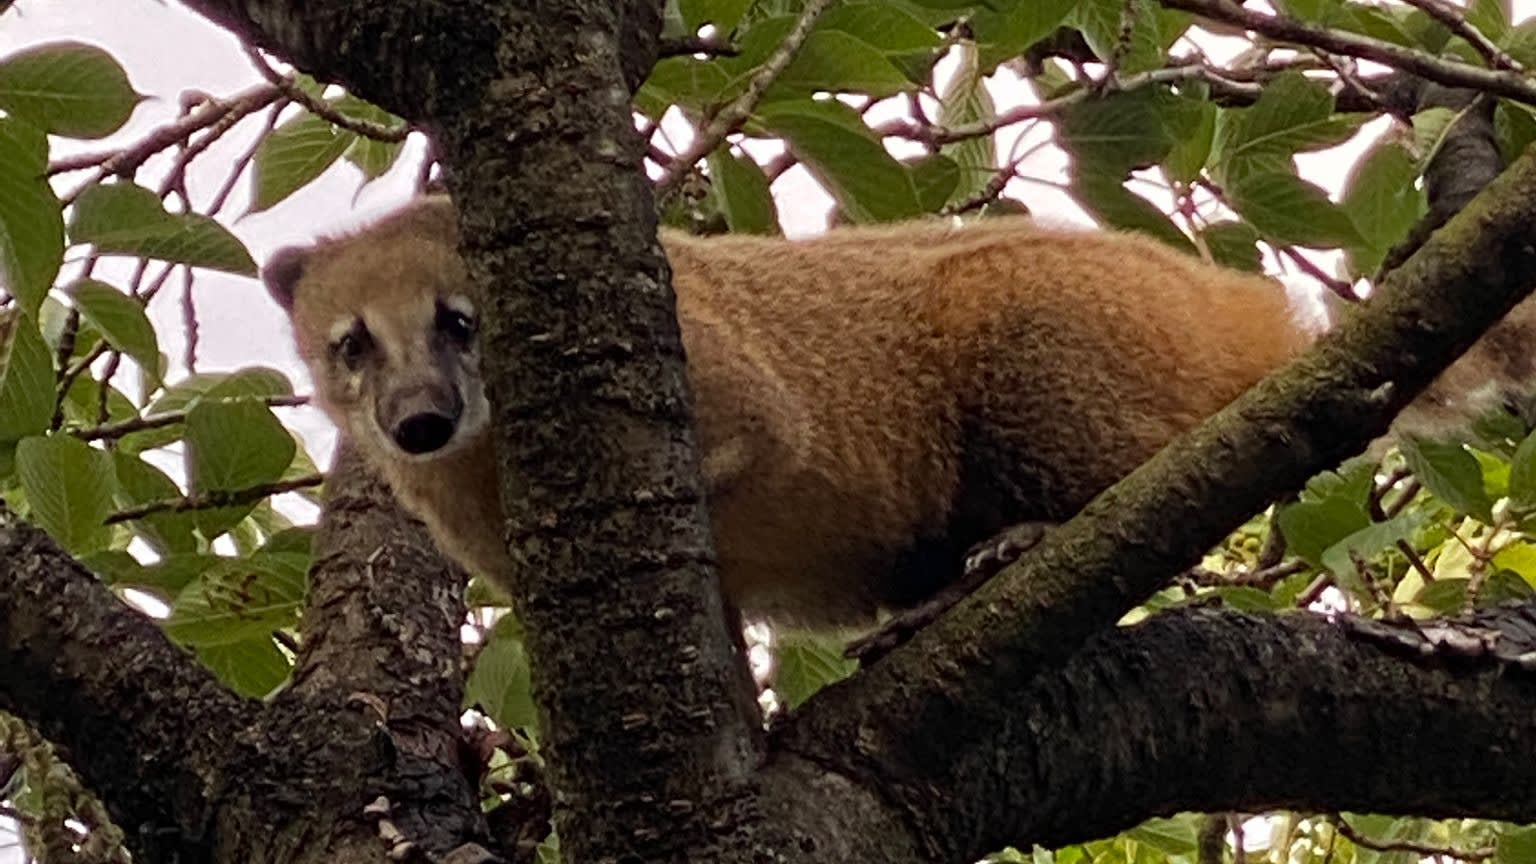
x=422 y=419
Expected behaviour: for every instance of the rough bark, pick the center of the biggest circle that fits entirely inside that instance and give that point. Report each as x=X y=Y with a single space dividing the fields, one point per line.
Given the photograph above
x=1204 y=711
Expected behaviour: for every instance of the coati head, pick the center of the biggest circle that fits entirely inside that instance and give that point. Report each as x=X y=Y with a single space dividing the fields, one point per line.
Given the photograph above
x=387 y=325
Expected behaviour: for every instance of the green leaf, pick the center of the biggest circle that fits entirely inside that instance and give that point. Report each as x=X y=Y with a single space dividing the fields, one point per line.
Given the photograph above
x=500 y=682
x=235 y=600
x=807 y=664
x=121 y=321
x=935 y=178
x=1288 y=210
x=67 y=88
x=1234 y=245
x=164 y=578
x=231 y=446
x=724 y=14
x=1108 y=200
x=374 y=158
x=31 y=220
x=1004 y=32
x=1193 y=142
x=1175 y=836
x=834 y=61
x=1516 y=846
x=1522 y=474
x=26 y=379
x=129 y=220
x=1119 y=133
x=1292 y=114
x=295 y=154
x=965 y=100
x=138 y=483
x=251 y=383
x=1153 y=31
x=1366 y=544
x=741 y=192
x=1381 y=199
x=254 y=667
x=1450 y=473
x=69 y=485
x=1313 y=527
x=844 y=154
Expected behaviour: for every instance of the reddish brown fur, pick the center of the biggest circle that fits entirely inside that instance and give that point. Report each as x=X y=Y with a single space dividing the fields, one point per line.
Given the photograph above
x=871 y=402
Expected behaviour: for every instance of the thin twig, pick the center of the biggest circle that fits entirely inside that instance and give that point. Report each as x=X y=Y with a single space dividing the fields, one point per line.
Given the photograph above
x=1451 y=73
x=391 y=133
x=1263 y=579
x=215 y=499
x=1455 y=20
x=1052 y=107
x=730 y=118
x=1421 y=849
x=687 y=46
x=113 y=431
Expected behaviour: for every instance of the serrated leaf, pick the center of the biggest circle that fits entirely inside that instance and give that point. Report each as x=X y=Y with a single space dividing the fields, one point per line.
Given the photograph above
x=807 y=664
x=1289 y=210
x=1450 y=473
x=965 y=100
x=374 y=158
x=1381 y=198
x=295 y=154
x=834 y=61
x=120 y=320
x=1113 y=204
x=1174 y=836
x=1514 y=124
x=1192 y=142
x=1004 y=32
x=254 y=668
x=1153 y=30
x=69 y=485
x=26 y=379
x=125 y=219
x=138 y=483
x=1312 y=527
x=1234 y=245
x=67 y=88
x=31 y=220
x=231 y=446
x=1117 y=134
x=251 y=383
x=235 y=600
x=741 y=192
x=1522 y=474
x=935 y=179
x=1364 y=545
x=500 y=683
x=844 y=154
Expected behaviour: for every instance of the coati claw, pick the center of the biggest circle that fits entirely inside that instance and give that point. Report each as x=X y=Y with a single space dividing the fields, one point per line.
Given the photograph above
x=983 y=561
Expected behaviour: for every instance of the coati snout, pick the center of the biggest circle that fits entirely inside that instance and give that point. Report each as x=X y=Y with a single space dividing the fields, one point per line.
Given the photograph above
x=423 y=418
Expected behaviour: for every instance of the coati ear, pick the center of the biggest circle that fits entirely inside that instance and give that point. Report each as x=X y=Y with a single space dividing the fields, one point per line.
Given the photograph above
x=283 y=271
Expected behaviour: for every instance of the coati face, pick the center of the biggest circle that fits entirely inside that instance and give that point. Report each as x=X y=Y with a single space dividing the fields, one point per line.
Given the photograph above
x=390 y=333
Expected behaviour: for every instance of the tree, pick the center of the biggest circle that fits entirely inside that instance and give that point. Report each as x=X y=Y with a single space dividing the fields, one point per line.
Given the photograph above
x=1023 y=716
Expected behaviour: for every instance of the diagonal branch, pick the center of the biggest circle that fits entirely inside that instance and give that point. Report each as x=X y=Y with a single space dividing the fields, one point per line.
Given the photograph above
x=730 y=117
x=1204 y=710
x=1451 y=73
x=143 y=722
x=1306 y=417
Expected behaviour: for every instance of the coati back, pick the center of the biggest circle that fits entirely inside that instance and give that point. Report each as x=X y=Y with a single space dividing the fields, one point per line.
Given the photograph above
x=869 y=403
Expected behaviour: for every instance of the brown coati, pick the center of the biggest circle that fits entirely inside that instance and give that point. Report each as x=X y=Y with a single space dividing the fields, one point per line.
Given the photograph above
x=869 y=403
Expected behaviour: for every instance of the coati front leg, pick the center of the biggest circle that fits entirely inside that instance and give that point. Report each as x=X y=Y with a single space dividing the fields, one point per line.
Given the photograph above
x=983 y=561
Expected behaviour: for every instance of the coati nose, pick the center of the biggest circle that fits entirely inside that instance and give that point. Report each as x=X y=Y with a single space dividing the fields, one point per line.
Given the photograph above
x=424 y=433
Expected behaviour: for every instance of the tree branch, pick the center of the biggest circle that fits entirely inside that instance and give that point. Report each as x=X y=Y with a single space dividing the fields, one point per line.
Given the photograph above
x=1306 y=417
x=1205 y=710
x=144 y=724
x=1451 y=73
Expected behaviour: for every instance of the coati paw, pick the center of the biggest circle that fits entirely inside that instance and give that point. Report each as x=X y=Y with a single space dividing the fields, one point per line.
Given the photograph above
x=990 y=556
x=983 y=561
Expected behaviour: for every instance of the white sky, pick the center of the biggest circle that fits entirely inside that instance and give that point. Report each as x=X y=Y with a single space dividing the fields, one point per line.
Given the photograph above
x=168 y=50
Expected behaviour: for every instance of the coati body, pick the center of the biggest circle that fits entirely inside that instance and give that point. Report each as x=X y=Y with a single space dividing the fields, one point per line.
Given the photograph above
x=869 y=403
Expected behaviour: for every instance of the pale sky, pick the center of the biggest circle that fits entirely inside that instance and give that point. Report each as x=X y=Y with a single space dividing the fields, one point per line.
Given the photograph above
x=167 y=50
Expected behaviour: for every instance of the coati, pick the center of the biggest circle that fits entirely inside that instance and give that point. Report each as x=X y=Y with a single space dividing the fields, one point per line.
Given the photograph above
x=869 y=403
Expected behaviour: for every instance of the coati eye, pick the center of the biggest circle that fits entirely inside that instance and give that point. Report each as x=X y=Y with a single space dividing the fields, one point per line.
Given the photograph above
x=353 y=345
x=456 y=325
